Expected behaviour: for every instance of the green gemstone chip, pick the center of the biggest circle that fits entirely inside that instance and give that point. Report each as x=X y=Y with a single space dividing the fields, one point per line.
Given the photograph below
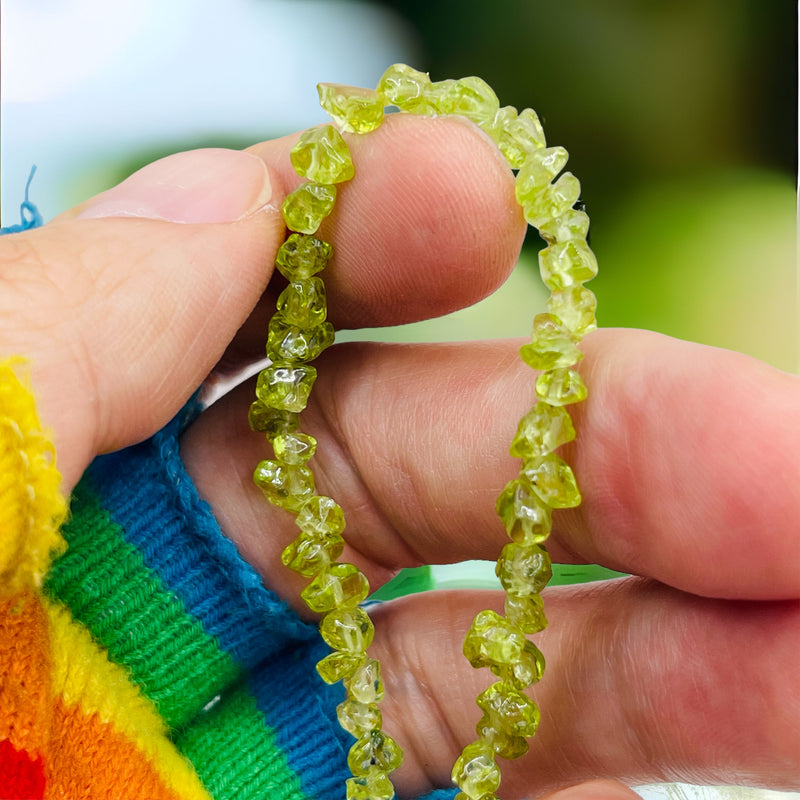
x=552 y=345
x=284 y=485
x=303 y=303
x=565 y=264
x=302 y=256
x=322 y=156
x=404 y=87
x=306 y=207
x=354 y=109
x=553 y=480
x=285 y=386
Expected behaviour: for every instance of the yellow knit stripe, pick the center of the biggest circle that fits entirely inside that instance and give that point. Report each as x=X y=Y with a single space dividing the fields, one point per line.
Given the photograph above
x=83 y=676
x=31 y=506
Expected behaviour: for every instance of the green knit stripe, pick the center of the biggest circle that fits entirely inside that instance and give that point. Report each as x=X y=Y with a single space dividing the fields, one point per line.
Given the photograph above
x=130 y=612
x=235 y=753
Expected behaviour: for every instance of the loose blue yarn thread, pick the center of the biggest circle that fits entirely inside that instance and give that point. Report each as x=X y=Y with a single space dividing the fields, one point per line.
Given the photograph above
x=29 y=214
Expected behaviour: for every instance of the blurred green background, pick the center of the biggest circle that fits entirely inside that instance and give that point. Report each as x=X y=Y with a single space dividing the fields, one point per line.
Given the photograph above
x=681 y=122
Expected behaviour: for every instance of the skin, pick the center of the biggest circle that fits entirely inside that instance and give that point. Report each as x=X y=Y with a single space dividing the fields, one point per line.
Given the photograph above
x=686 y=457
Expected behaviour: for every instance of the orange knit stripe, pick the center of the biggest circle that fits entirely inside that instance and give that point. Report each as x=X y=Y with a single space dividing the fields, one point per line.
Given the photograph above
x=24 y=673
x=84 y=678
x=92 y=759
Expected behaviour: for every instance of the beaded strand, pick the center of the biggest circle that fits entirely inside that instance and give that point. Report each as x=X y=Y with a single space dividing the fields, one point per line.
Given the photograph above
x=299 y=332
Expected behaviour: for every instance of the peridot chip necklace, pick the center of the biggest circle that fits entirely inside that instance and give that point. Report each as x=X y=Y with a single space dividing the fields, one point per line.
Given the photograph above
x=299 y=332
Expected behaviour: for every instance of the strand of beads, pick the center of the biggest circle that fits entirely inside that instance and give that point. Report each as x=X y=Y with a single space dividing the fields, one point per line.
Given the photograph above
x=298 y=333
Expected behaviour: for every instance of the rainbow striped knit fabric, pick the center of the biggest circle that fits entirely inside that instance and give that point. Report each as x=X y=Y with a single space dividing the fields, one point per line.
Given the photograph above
x=140 y=656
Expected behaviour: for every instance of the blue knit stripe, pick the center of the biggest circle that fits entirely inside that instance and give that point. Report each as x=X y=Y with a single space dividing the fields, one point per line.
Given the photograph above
x=295 y=701
x=150 y=496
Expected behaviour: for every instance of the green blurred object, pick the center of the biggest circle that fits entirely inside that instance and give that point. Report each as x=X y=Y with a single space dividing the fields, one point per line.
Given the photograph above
x=407 y=581
x=480 y=574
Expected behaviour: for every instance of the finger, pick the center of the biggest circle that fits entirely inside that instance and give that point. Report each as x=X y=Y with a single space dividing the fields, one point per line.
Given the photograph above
x=686 y=456
x=643 y=684
x=429 y=224
x=123 y=311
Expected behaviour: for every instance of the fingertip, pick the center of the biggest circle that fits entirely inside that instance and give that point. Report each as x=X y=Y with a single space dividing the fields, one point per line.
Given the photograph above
x=430 y=223
x=594 y=790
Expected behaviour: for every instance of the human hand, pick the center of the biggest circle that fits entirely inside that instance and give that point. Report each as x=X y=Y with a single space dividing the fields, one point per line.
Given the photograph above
x=685 y=456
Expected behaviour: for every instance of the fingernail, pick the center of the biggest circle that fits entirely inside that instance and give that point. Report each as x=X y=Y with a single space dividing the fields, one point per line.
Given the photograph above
x=212 y=185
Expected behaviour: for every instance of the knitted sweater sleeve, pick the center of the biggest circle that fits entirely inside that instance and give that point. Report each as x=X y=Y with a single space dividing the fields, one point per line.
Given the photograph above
x=226 y=665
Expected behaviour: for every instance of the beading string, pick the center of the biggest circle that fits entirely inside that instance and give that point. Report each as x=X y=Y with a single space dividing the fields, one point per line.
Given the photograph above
x=299 y=332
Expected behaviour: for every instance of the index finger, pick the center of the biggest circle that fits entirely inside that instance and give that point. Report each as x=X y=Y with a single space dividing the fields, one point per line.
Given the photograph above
x=429 y=224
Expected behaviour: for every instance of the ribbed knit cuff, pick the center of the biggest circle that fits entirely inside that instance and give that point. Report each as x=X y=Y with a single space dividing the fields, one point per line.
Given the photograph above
x=148 y=491
x=151 y=575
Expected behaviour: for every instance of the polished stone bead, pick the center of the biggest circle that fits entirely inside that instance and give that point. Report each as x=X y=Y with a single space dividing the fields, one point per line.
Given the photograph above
x=338 y=665
x=348 y=629
x=287 y=342
x=285 y=387
x=475 y=772
x=526 y=518
x=404 y=87
x=375 y=786
x=492 y=641
x=526 y=612
x=565 y=264
x=559 y=387
x=572 y=224
x=352 y=108
x=543 y=429
x=294 y=448
x=271 y=421
x=321 y=515
x=539 y=168
x=311 y=552
x=336 y=586
x=306 y=207
x=553 y=481
x=523 y=569
x=284 y=485
x=470 y=97
x=302 y=256
x=365 y=684
x=509 y=710
x=553 y=200
x=322 y=156
x=552 y=345
x=374 y=752
x=575 y=306
x=358 y=718
x=304 y=303
x=504 y=745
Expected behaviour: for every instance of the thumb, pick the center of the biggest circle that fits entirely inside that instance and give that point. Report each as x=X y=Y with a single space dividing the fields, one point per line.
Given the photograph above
x=123 y=305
